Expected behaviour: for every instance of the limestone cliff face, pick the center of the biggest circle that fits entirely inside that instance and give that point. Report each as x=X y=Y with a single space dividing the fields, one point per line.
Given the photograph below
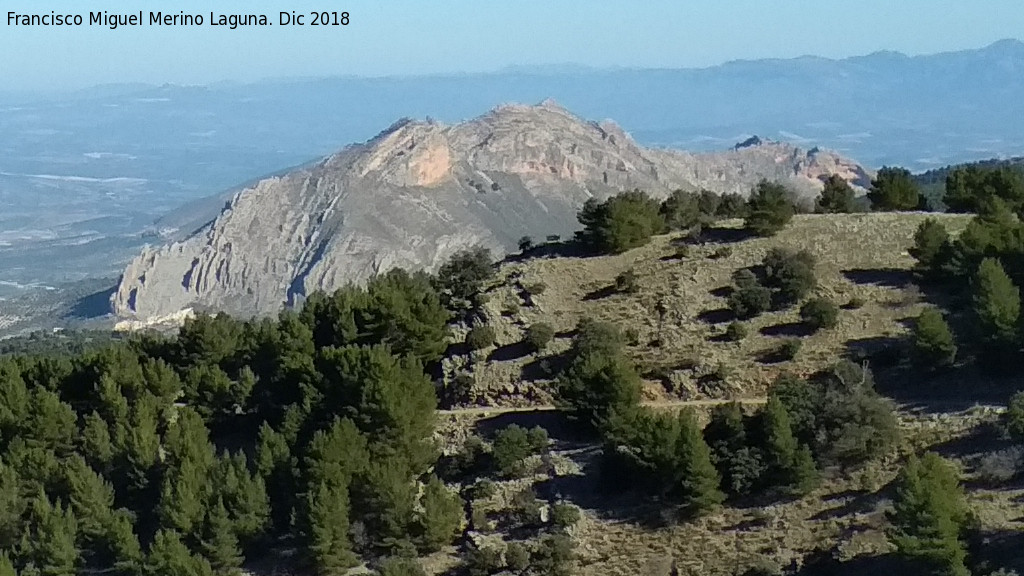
x=420 y=191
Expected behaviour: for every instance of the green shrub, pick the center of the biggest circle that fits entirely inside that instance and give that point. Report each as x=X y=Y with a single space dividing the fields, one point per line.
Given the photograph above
x=483 y=489
x=511 y=446
x=620 y=223
x=461 y=279
x=538 y=440
x=626 y=282
x=564 y=515
x=396 y=566
x=708 y=203
x=732 y=205
x=553 y=556
x=749 y=298
x=934 y=345
x=517 y=557
x=818 y=313
x=526 y=508
x=789 y=348
x=539 y=335
x=481 y=337
x=736 y=331
x=855 y=303
x=481 y=561
x=721 y=252
x=535 y=289
x=769 y=209
x=681 y=211
x=1013 y=418
x=790 y=274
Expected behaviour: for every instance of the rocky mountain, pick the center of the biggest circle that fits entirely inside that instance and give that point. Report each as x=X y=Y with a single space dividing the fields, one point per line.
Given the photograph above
x=421 y=190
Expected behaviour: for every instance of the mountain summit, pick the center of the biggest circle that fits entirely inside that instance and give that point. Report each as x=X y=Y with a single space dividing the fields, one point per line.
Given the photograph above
x=421 y=190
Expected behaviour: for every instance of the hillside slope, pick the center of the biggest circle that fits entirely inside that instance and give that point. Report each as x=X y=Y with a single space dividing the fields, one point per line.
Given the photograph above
x=420 y=191
x=679 y=312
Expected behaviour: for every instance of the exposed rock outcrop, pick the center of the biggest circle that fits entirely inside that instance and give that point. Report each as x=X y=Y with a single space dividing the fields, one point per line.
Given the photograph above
x=420 y=191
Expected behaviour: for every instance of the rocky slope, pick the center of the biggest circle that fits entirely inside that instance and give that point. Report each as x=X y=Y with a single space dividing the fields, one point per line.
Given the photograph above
x=420 y=191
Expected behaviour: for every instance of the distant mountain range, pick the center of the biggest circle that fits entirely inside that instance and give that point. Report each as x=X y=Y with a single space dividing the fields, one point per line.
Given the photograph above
x=84 y=175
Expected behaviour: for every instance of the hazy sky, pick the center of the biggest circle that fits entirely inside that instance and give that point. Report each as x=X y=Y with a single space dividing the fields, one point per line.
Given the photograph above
x=419 y=36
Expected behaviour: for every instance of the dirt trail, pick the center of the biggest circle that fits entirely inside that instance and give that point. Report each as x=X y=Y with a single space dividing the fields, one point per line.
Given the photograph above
x=951 y=406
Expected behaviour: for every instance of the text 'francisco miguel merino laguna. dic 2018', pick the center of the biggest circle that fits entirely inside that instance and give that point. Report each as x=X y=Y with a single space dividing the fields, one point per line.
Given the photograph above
x=231 y=21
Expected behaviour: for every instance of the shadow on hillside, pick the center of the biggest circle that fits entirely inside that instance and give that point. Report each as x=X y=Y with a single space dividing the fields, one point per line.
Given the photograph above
x=613 y=503
x=999 y=549
x=891 y=277
x=722 y=291
x=723 y=235
x=566 y=249
x=983 y=439
x=948 y=390
x=824 y=563
x=880 y=352
x=790 y=329
x=558 y=426
x=508 y=352
x=544 y=367
x=94 y=305
x=717 y=316
x=600 y=293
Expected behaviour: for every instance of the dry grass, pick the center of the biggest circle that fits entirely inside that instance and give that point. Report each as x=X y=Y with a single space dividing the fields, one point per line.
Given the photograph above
x=675 y=293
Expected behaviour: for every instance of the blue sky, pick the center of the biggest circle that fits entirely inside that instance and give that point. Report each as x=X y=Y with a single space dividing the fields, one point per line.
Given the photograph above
x=401 y=37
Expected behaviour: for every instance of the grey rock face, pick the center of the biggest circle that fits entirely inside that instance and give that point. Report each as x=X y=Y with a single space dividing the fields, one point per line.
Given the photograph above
x=419 y=192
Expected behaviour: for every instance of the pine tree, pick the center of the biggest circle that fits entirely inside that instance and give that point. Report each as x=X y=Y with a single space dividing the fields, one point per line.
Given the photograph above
x=769 y=209
x=274 y=466
x=740 y=465
x=997 y=304
x=168 y=556
x=92 y=500
x=803 y=475
x=219 y=543
x=336 y=455
x=837 y=196
x=96 y=443
x=55 y=551
x=441 y=516
x=52 y=423
x=929 y=513
x=244 y=495
x=599 y=382
x=327 y=524
x=390 y=400
x=934 y=346
x=123 y=545
x=12 y=506
x=699 y=481
x=182 y=504
x=387 y=501
x=6 y=566
x=780 y=446
x=931 y=248
x=14 y=399
x=620 y=223
x=190 y=461
x=894 y=189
